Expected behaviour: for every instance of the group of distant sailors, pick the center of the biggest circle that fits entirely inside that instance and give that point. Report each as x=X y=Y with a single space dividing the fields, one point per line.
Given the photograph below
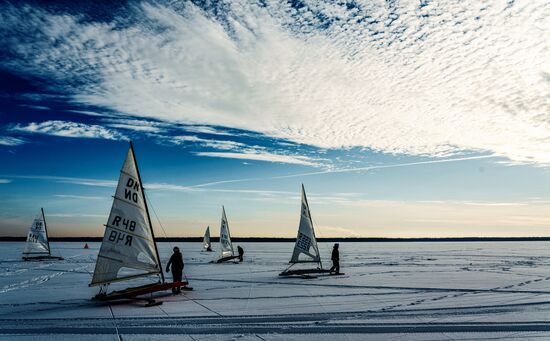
x=177 y=265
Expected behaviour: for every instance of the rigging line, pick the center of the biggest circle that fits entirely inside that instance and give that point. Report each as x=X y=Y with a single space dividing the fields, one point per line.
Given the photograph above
x=162 y=227
x=318 y=229
x=163 y=230
x=158 y=219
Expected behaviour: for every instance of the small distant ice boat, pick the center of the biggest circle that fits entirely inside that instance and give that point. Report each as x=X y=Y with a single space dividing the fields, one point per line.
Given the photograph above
x=306 y=249
x=226 y=246
x=38 y=246
x=129 y=241
x=206 y=245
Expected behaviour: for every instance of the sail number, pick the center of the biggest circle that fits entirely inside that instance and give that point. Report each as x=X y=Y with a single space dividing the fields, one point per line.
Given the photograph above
x=131 y=192
x=303 y=242
x=118 y=237
x=127 y=223
x=32 y=238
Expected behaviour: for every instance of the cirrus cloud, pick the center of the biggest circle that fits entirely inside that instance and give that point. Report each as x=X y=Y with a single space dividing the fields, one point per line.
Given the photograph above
x=69 y=129
x=399 y=77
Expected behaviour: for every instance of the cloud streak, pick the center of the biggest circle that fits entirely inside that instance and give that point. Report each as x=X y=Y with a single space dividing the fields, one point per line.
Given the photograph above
x=397 y=165
x=263 y=156
x=11 y=141
x=69 y=129
x=78 y=197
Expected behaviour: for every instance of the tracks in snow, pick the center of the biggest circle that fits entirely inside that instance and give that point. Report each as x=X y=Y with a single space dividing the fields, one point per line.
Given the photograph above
x=333 y=323
x=383 y=287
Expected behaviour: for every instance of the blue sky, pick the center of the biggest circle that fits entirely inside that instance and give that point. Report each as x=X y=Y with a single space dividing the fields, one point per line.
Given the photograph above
x=402 y=119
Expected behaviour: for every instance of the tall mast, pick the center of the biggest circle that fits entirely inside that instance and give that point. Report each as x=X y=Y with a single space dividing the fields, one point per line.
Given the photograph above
x=312 y=226
x=147 y=211
x=46 y=230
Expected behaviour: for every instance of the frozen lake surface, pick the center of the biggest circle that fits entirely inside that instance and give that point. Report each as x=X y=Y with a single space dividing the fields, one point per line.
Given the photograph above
x=412 y=290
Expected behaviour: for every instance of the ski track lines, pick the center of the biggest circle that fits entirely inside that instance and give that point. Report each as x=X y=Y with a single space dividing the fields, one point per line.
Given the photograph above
x=37 y=280
x=280 y=324
x=503 y=289
x=29 y=282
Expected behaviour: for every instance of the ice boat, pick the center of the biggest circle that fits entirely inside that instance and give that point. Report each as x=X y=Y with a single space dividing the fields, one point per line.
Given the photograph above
x=128 y=250
x=226 y=246
x=37 y=246
x=306 y=249
x=206 y=244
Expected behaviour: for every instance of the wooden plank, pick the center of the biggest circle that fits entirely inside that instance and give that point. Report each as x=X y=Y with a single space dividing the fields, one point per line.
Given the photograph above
x=302 y=272
x=39 y=258
x=225 y=259
x=130 y=293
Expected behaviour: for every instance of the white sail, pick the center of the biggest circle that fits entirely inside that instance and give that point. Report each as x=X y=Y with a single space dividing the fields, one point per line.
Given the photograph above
x=226 y=247
x=305 y=249
x=128 y=240
x=37 y=238
x=206 y=240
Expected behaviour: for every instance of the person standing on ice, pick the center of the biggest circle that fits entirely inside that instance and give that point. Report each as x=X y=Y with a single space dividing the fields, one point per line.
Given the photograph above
x=335 y=260
x=241 y=253
x=176 y=260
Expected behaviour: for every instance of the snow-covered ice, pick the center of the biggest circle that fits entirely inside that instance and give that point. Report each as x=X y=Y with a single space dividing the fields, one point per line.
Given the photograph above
x=412 y=290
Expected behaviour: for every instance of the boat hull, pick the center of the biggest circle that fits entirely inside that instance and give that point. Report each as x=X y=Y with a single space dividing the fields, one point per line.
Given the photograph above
x=41 y=258
x=131 y=293
x=226 y=259
x=302 y=272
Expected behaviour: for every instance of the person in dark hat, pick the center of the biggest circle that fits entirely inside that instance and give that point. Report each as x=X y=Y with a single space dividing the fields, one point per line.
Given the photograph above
x=176 y=260
x=335 y=260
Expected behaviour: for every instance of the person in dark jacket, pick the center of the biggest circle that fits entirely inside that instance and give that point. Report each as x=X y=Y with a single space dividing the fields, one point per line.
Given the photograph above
x=241 y=253
x=335 y=260
x=177 y=268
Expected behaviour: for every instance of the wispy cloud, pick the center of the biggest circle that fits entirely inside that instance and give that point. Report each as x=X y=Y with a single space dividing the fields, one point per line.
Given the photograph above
x=327 y=74
x=76 y=215
x=38 y=107
x=11 y=141
x=243 y=151
x=69 y=129
x=208 y=143
x=5 y=181
x=79 y=197
x=69 y=180
x=264 y=156
x=92 y=113
x=146 y=126
x=207 y=130
x=397 y=165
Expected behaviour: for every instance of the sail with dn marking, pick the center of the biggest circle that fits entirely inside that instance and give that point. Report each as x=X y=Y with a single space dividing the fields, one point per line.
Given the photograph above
x=206 y=246
x=305 y=249
x=226 y=247
x=37 y=238
x=128 y=249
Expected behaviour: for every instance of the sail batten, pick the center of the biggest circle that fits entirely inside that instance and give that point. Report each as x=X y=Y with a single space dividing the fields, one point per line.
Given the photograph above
x=127 y=232
x=306 y=243
x=129 y=203
x=121 y=279
x=128 y=242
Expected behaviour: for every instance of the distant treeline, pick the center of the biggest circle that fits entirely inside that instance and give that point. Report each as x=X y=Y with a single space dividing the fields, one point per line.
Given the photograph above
x=286 y=240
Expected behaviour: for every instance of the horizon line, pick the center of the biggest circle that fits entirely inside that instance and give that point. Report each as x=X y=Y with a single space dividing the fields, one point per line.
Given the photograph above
x=291 y=239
